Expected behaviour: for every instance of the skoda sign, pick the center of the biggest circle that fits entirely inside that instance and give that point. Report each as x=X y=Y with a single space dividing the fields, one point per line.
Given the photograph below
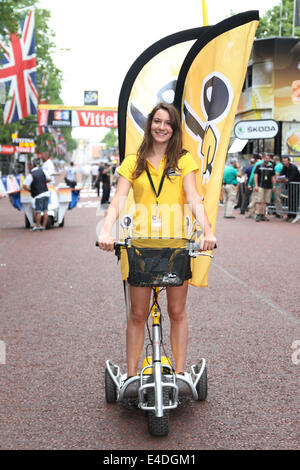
x=260 y=129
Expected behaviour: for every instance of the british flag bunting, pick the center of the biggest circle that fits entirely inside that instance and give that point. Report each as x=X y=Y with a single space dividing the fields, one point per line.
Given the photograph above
x=18 y=72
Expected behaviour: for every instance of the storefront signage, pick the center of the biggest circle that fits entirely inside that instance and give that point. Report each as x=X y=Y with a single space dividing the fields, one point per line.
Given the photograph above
x=7 y=149
x=11 y=149
x=258 y=129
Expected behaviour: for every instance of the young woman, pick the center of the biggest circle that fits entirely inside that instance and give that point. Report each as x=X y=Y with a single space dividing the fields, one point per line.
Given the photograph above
x=174 y=170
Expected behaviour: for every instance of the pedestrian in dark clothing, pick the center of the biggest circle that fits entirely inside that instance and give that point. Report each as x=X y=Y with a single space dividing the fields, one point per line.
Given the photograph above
x=99 y=178
x=248 y=189
x=105 y=184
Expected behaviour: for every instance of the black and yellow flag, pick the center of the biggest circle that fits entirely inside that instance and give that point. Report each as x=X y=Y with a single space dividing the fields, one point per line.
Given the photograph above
x=207 y=94
x=151 y=79
x=202 y=72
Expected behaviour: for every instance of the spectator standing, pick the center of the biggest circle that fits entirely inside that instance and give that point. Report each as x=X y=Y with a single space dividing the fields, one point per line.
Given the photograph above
x=36 y=182
x=240 y=197
x=254 y=194
x=248 y=189
x=105 y=184
x=292 y=175
x=265 y=181
x=94 y=173
x=48 y=166
x=85 y=175
x=229 y=187
x=99 y=178
x=70 y=177
x=277 y=202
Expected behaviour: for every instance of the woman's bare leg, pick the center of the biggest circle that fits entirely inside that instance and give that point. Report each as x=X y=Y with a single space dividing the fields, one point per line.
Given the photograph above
x=140 y=304
x=179 y=325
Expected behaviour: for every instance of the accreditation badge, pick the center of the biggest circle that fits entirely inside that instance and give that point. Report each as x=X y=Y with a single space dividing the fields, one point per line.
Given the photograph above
x=155 y=222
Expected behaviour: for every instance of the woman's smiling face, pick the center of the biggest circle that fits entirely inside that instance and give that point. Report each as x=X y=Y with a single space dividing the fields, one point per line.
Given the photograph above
x=161 y=129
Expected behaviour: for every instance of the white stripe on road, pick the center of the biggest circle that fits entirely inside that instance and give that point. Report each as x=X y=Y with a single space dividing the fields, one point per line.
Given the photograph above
x=88 y=204
x=260 y=296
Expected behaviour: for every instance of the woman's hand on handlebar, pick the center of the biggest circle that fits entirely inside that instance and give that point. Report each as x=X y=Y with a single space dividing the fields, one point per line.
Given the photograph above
x=208 y=242
x=106 y=241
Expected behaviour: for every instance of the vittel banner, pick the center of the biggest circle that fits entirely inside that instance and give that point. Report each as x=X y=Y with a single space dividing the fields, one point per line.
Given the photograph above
x=94 y=118
x=64 y=116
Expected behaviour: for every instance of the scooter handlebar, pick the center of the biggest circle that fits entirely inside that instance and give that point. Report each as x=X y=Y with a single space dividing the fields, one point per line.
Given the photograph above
x=115 y=244
x=194 y=248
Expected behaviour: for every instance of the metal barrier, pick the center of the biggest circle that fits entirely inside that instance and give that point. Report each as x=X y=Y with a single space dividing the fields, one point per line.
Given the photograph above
x=290 y=200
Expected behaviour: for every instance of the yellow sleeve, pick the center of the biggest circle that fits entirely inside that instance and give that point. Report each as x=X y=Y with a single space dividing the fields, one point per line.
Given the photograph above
x=127 y=167
x=187 y=164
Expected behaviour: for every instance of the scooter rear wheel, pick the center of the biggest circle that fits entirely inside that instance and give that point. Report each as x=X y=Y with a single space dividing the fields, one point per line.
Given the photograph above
x=110 y=388
x=158 y=426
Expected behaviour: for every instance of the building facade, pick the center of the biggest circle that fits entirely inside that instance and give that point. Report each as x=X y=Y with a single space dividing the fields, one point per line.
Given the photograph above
x=272 y=91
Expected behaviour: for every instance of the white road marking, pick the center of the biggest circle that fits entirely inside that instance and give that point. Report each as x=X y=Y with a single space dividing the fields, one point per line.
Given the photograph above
x=261 y=297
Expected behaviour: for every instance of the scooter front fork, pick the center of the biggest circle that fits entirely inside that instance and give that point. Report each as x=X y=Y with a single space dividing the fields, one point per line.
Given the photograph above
x=156 y=361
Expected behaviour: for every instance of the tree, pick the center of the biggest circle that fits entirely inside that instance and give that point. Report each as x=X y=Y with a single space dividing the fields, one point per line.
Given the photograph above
x=49 y=77
x=269 y=24
x=110 y=139
x=11 y=14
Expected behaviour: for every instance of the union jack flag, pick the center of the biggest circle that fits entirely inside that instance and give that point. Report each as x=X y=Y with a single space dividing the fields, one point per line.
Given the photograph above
x=18 y=72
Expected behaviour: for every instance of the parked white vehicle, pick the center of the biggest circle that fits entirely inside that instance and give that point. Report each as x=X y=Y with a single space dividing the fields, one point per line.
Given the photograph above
x=59 y=202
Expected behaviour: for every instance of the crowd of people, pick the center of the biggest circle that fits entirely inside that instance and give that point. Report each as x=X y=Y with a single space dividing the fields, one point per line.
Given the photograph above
x=263 y=183
x=100 y=177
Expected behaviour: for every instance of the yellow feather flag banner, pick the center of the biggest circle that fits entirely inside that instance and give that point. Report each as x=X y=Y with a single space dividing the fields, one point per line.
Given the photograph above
x=208 y=90
x=152 y=78
x=201 y=71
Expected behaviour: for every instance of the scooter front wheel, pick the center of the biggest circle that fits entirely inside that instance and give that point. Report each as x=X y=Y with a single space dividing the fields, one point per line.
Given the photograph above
x=158 y=426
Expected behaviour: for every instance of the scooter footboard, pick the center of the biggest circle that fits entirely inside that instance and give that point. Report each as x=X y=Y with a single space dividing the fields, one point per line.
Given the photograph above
x=115 y=374
x=197 y=371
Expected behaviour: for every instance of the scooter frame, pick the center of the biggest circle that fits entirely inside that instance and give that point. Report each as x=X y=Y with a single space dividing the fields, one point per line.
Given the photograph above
x=177 y=384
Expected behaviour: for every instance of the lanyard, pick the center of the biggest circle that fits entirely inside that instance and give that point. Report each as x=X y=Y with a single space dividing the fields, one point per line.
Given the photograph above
x=152 y=184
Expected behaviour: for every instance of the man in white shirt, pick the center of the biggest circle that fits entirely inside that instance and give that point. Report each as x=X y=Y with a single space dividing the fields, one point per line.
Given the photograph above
x=85 y=175
x=94 y=175
x=70 y=177
x=36 y=182
x=48 y=165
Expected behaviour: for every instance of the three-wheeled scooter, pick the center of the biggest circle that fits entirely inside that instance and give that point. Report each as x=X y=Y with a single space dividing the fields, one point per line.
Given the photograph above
x=157 y=387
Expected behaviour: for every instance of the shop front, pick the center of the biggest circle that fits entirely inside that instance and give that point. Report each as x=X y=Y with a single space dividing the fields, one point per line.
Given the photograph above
x=271 y=92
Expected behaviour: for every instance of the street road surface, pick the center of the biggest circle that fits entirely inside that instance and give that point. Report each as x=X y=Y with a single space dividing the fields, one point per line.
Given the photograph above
x=62 y=316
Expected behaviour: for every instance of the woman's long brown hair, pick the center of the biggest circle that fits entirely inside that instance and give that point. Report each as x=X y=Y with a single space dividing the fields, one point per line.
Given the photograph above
x=174 y=149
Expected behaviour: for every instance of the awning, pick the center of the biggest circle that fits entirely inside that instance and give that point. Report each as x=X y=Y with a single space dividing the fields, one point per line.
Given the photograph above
x=237 y=145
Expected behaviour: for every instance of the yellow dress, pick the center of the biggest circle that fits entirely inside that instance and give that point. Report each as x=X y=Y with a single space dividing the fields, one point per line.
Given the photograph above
x=157 y=217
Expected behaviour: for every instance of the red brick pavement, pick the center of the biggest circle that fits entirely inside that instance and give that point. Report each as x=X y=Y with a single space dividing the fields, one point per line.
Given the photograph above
x=62 y=316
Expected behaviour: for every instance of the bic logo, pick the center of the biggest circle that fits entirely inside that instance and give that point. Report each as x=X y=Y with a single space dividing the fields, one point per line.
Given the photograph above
x=216 y=101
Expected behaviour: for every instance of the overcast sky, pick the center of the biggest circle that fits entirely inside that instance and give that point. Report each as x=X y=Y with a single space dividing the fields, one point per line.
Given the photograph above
x=106 y=37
